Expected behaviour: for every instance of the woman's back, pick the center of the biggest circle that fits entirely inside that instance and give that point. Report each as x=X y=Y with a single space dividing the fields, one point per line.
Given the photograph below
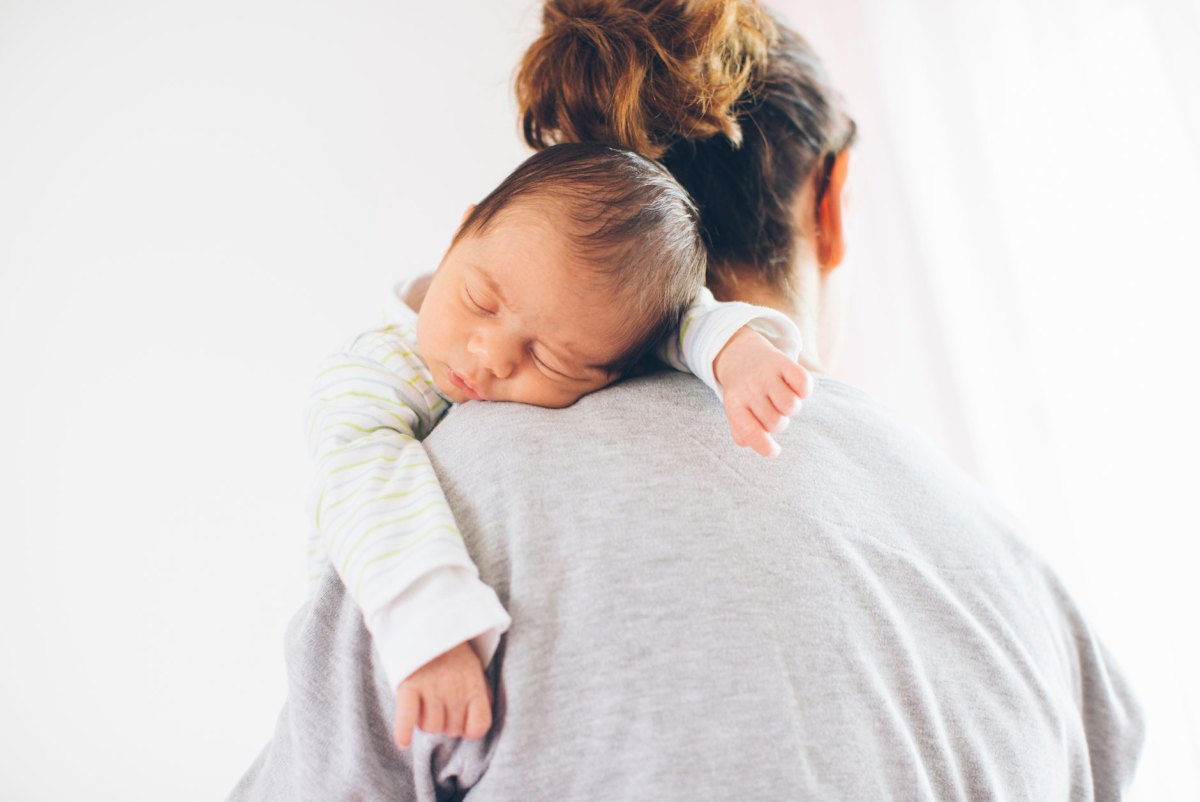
x=852 y=620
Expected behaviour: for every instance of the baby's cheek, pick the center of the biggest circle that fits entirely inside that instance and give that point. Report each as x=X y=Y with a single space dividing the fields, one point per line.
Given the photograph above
x=577 y=393
x=543 y=392
x=558 y=397
x=561 y=400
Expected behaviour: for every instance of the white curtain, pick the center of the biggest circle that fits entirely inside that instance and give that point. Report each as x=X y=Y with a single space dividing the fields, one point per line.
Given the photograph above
x=1026 y=212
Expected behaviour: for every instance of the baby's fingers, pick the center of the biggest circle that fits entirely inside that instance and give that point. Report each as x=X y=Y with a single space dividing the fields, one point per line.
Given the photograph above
x=764 y=444
x=479 y=719
x=456 y=713
x=784 y=400
x=754 y=433
x=748 y=431
x=433 y=716
x=408 y=708
x=742 y=425
x=798 y=379
x=769 y=418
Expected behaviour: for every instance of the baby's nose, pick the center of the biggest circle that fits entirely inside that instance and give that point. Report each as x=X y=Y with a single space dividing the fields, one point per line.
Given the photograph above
x=493 y=354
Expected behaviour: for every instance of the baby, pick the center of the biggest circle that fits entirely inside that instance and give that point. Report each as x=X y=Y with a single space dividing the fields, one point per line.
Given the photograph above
x=569 y=274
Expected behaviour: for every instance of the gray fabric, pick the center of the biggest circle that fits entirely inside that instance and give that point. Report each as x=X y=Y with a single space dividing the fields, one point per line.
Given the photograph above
x=853 y=620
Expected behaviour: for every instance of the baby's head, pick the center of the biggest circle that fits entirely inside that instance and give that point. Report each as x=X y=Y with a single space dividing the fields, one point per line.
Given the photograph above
x=562 y=279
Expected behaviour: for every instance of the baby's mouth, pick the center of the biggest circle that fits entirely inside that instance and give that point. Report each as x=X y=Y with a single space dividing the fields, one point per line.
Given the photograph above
x=464 y=384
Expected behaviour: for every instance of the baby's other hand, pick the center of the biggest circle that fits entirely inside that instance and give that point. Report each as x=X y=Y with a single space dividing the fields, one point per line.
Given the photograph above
x=762 y=387
x=449 y=695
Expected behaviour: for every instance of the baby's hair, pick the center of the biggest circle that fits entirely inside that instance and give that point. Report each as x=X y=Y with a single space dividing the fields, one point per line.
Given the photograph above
x=627 y=221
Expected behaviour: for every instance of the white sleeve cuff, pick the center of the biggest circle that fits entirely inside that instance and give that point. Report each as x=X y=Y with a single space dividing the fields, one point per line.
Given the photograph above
x=724 y=321
x=439 y=611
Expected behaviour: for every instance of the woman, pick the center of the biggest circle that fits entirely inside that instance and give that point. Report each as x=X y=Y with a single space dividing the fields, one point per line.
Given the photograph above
x=850 y=621
x=737 y=107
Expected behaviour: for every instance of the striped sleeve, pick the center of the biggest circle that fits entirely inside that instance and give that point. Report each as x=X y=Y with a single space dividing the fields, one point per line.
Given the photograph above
x=379 y=513
x=708 y=326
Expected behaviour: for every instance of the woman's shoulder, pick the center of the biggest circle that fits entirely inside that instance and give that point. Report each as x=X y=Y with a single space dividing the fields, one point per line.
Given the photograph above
x=666 y=412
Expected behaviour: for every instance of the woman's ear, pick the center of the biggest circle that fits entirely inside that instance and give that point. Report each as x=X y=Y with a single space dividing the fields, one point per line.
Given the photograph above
x=831 y=243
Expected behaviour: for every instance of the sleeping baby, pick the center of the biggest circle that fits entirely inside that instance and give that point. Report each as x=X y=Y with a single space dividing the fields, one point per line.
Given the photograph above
x=584 y=263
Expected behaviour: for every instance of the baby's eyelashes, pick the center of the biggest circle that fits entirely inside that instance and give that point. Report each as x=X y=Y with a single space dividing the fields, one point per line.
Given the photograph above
x=566 y=374
x=546 y=368
x=476 y=304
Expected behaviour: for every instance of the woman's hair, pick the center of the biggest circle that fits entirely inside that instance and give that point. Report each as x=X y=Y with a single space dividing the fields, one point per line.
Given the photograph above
x=626 y=221
x=734 y=104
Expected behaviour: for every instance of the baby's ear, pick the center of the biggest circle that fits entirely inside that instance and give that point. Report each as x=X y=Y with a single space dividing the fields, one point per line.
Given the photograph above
x=414 y=293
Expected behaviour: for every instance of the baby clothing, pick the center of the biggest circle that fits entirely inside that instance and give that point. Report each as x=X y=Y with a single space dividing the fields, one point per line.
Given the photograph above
x=378 y=512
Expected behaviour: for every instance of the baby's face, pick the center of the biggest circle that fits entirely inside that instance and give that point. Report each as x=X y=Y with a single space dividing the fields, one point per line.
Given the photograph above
x=505 y=319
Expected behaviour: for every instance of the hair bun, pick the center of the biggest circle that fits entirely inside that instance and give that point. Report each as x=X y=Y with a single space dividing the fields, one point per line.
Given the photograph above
x=641 y=74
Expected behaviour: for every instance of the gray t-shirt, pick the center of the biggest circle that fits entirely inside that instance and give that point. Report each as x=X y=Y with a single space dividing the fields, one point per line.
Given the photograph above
x=852 y=620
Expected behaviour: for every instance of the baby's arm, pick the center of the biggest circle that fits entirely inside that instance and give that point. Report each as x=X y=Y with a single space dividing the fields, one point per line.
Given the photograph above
x=383 y=522
x=758 y=379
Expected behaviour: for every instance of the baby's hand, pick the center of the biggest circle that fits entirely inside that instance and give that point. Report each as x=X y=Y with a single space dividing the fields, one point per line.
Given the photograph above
x=449 y=694
x=762 y=388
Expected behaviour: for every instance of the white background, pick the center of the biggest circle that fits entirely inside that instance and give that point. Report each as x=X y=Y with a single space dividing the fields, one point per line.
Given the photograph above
x=198 y=200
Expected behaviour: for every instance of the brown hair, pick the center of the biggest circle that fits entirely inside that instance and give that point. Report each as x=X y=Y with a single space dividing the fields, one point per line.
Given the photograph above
x=734 y=104
x=627 y=221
